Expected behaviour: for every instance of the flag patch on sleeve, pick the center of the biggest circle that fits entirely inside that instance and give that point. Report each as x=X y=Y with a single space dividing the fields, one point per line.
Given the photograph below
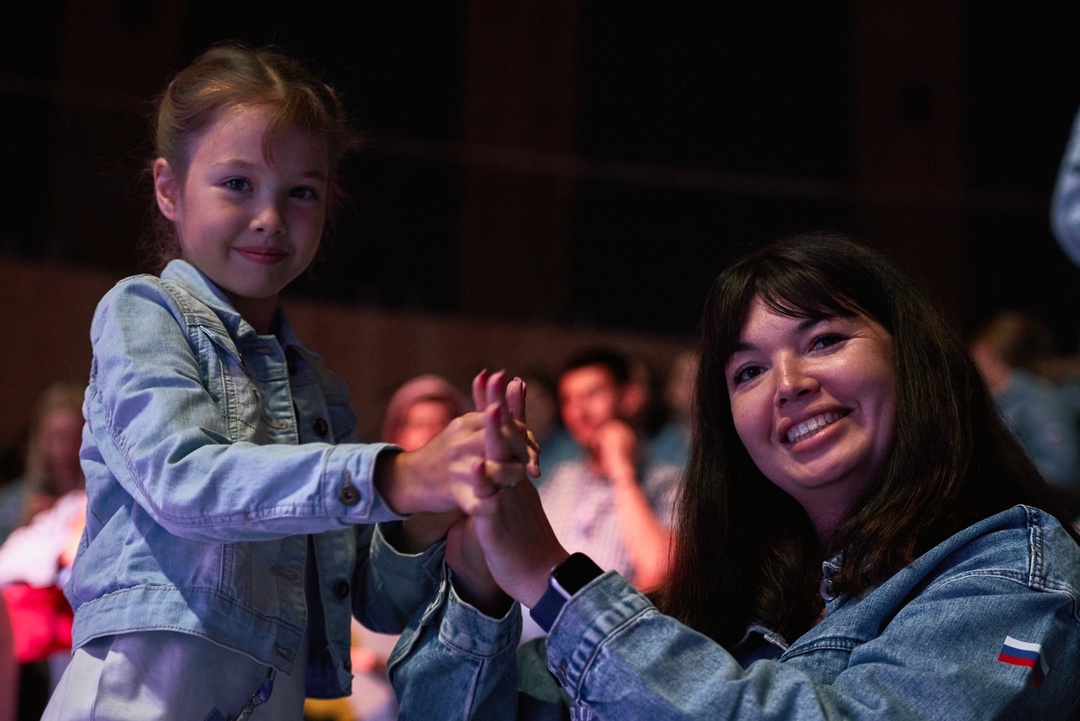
x=1022 y=653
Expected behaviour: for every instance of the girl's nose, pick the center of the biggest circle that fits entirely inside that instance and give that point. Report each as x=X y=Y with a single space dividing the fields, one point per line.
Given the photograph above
x=792 y=379
x=269 y=219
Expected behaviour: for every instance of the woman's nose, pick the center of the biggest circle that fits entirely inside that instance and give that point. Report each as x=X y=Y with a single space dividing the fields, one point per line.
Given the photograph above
x=792 y=379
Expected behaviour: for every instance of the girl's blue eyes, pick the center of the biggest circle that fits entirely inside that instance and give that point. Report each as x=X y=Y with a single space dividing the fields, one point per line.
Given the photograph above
x=241 y=184
x=304 y=193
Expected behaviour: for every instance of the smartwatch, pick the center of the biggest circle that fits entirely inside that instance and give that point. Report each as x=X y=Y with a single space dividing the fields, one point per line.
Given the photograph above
x=566 y=579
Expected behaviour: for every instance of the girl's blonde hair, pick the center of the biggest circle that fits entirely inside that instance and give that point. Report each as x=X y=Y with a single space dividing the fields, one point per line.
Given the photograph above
x=231 y=75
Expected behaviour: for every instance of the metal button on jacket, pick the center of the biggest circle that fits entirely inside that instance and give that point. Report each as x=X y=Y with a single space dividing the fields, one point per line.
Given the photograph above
x=348 y=494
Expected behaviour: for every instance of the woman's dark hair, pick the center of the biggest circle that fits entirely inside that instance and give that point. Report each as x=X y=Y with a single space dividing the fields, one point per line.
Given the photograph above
x=746 y=550
x=232 y=75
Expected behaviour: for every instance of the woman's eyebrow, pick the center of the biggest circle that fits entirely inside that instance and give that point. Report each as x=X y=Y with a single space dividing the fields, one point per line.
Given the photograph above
x=804 y=325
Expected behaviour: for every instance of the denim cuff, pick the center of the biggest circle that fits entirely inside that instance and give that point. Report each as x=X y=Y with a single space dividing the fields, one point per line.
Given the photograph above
x=418 y=568
x=349 y=477
x=467 y=630
x=586 y=622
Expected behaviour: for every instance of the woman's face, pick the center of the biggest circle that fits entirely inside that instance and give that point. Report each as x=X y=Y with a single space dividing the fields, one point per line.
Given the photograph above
x=814 y=403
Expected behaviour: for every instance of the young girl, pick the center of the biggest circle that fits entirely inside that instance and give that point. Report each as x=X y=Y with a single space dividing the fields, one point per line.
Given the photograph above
x=224 y=549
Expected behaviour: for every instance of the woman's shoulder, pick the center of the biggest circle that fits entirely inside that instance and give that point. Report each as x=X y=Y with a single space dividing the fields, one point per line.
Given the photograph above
x=1024 y=543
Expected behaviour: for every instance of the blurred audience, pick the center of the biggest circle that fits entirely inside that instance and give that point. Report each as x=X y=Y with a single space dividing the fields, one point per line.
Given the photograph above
x=36 y=556
x=609 y=500
x=51 y=462
x=544 y=419
x=671 y=444
x=420 y=408
x=1008 y=350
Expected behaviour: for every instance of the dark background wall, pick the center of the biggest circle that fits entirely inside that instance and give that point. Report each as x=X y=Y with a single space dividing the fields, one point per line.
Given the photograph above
x=586 y=165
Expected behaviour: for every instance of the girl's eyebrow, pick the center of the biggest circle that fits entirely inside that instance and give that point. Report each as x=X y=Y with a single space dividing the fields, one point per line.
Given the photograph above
x=242 y=164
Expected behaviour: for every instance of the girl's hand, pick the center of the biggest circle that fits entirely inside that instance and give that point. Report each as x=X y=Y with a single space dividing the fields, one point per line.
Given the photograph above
x=472 y=458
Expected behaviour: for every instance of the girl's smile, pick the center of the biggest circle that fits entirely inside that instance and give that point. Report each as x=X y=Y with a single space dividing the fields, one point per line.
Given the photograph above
x=248 y=215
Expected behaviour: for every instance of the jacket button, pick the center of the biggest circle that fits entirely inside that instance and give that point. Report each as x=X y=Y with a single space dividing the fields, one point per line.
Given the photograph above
x=348 y=495
x=347 y=664
x=319 y=426
x=341 y=590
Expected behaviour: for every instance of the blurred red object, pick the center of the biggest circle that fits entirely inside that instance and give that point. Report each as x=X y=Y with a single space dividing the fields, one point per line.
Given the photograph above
x=41 y=620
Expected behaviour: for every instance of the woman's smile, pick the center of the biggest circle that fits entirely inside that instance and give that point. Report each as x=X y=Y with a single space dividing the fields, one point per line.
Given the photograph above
x=814 y=402
x=812 y=426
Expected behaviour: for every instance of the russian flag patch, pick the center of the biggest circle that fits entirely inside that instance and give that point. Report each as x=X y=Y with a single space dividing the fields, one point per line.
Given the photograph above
x=1022 y=653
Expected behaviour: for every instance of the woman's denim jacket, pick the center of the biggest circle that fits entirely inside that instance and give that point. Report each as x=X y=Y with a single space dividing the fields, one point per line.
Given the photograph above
x=212 y=455
x=952 y=636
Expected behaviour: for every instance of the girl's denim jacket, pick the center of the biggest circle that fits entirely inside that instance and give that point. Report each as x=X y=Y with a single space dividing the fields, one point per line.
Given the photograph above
x=984 y=626
x=216 y=460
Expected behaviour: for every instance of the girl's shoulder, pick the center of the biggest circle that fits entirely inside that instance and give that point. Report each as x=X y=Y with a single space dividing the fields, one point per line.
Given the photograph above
x=186 y=298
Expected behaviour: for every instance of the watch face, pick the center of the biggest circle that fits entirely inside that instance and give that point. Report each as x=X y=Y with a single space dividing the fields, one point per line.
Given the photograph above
x=575 y=572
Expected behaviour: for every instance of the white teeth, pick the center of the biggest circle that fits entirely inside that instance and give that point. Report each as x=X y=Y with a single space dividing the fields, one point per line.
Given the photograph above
x=812 y=425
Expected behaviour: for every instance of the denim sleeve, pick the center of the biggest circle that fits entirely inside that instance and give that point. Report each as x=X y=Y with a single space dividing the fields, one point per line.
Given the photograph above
x=453 y=662
x=395 y=584
x=619 y=658
x=154 y=426
x=1065 y=205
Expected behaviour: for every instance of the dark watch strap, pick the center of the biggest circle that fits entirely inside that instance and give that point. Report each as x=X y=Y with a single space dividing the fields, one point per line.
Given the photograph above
x=565 y=580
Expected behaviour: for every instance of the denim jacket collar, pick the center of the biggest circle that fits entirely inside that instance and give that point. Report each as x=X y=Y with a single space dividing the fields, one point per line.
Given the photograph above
x=196 y=283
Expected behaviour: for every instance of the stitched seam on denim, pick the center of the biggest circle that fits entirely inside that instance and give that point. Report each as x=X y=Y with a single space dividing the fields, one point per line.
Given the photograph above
x=611 y=636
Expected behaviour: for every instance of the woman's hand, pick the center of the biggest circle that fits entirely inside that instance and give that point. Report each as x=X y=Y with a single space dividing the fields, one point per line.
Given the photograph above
x=507 y=543
x=517 y=542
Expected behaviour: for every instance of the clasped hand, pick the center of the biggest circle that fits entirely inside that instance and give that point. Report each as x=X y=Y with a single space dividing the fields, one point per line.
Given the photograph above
x=466 y=484
x=505 y=546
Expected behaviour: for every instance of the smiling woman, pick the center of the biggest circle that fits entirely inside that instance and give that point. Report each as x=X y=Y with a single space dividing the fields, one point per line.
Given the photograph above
x=858 y=536
x=814 y=404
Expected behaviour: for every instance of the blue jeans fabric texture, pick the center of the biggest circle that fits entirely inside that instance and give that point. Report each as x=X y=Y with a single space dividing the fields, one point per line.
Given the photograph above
x=924 y=644
x=212 y=455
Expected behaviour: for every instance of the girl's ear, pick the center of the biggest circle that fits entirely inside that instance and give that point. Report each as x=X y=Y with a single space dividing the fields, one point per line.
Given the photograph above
x=166 y=188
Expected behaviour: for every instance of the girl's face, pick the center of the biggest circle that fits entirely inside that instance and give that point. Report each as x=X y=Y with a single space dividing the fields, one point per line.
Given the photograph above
x=249 y=220
x=814 y=403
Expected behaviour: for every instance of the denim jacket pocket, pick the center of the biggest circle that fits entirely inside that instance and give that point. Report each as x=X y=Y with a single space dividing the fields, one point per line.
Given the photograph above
x=229 y=384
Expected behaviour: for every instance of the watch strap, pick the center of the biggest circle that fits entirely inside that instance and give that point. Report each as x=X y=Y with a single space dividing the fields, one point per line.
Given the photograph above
x=565 y=579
